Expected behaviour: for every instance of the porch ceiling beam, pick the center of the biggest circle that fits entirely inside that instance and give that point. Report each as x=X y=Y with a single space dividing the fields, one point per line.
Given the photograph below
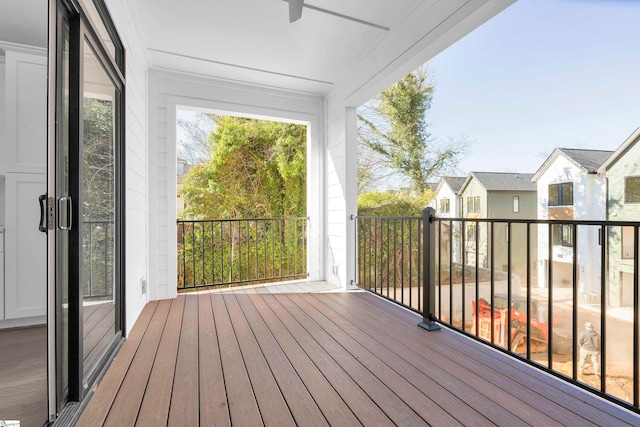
x=244 y=67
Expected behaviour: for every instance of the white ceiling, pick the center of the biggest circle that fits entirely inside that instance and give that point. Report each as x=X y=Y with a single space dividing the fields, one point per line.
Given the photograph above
x=24 y=22
x=252 y=41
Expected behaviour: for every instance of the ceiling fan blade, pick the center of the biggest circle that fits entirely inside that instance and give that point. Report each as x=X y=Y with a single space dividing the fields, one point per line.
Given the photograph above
x=295 y=10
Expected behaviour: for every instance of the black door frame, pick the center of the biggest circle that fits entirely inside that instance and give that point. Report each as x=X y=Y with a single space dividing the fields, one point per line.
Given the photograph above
x=80 y=31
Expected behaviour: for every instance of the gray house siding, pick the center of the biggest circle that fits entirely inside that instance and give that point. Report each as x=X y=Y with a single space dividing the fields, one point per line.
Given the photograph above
x=620 y=292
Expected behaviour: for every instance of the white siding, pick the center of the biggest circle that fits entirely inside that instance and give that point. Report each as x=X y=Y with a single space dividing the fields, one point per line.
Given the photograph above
x=170 y=90
x=136 y=158
x=341 y=195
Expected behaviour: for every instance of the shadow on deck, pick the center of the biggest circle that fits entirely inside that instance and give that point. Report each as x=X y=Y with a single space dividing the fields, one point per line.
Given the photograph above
x=316 y=359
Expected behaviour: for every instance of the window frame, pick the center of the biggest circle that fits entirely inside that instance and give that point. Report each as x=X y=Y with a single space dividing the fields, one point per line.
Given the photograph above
x=626 y=179
x=473 y=204
x=445 y=205
x=560 y=238
x=563 y=194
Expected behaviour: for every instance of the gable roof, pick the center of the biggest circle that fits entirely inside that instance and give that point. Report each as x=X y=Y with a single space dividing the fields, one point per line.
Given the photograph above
x=454 y=182
x=501 y=181
x=587 y=160
x=628 y=143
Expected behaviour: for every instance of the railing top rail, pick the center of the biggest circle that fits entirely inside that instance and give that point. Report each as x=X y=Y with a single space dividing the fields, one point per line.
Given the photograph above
x=241 y=219
x=542 y=221
x=385 y=217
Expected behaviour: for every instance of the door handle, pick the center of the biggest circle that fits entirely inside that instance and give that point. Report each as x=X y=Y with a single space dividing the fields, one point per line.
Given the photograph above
x=65 y=218
x=42 y=200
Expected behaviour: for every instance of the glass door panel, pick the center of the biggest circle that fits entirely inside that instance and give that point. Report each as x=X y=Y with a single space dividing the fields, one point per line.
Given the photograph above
x=98 y=225
x=63 y=196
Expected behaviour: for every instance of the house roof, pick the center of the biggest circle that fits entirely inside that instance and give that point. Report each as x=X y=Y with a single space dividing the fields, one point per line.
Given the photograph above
x=626 y=145
x=455 y=182
x=349 y=49
x=587 y=160
x=501 y=181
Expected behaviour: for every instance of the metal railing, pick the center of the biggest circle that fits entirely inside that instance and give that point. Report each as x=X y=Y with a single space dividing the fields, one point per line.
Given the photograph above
x=241 y=251
x=508 y=284
x=98 y=259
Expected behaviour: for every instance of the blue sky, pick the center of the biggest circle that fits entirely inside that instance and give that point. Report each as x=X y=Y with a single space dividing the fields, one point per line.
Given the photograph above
x=542 y=74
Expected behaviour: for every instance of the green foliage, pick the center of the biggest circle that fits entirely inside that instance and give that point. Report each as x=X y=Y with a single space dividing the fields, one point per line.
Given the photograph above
x=393 y=130
x=396 y=203
x=257 y=169
x=98 y=198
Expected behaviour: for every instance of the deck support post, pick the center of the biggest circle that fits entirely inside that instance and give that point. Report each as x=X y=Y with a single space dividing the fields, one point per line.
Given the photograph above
x=428 y=270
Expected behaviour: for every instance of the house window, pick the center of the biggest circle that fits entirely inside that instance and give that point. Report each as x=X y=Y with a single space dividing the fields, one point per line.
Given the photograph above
x=562 y=235
x=473 y=204
x=444 y=206
x=627 y=243
x=632 y=189
x=516 y=204
x=471 y=232
x=561 y=194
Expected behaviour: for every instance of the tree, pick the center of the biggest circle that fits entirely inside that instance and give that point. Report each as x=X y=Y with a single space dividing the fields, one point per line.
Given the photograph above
x=194 y=146
x=257 y=169
x=393 y=130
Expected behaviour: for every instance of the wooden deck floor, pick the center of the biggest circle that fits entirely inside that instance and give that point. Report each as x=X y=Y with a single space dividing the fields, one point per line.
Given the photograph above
x=321 y=359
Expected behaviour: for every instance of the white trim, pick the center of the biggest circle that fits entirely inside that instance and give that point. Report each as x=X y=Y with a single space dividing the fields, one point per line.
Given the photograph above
x=23 y=48
x=171 y=91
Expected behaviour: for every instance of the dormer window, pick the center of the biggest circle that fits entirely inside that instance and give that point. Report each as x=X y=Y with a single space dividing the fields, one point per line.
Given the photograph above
x=445 y=206
x=561 y=194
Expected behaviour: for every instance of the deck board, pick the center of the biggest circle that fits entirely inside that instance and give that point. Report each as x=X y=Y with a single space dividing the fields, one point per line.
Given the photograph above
x=184 y=409
x=271 y=403
x=322 y=359
x=243 y=406
x=333 y=407
x=154 y=410
x=214 y=408
x=357 y=399
x=105 y=394
x=303 y=408
x=378 y=391
x=577 y=405
x=124 y=410
x=467 y=381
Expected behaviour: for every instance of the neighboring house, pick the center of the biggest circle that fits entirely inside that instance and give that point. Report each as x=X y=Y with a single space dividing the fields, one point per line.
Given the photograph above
x=448 y=204
x=570 y=189
x=622 y=171
x=507 y=195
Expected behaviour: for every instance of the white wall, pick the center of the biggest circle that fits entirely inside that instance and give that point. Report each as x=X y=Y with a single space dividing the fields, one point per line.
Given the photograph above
x=136 y=158
x=168 y=91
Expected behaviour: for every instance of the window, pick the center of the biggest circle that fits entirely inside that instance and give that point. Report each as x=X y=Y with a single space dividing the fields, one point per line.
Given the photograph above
x=627 y=243
x=444 y=206
x=471 y=232
x=562 y=235
x=561 y=194
x=516 y=204
x=632 y=189
x=473 y=204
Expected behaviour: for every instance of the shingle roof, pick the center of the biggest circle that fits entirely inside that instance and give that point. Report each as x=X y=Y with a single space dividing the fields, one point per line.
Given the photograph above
x=505 y=181
x=455 y=182
x=591 y=160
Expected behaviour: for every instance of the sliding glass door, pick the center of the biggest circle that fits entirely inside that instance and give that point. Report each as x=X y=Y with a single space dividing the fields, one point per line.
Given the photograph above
x=85 y=201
